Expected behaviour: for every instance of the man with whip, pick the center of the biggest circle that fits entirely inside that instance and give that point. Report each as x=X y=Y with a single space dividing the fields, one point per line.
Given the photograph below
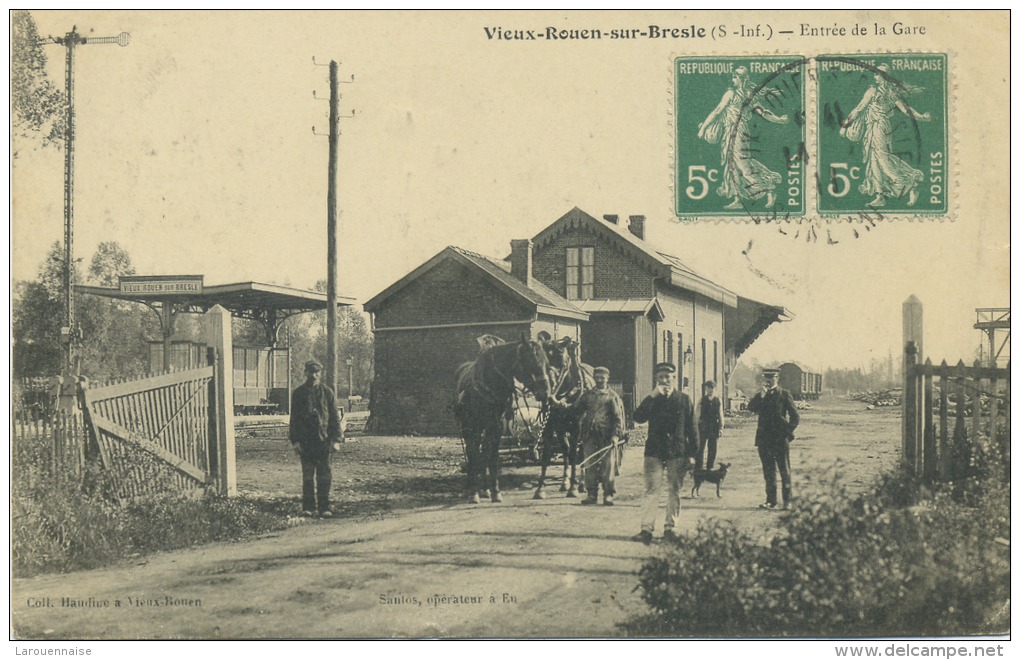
x=600 y=429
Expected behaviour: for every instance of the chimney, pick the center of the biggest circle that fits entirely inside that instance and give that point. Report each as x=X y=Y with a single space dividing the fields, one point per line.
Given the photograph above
x=612 y=219
x=520 y=260
x=637 y=226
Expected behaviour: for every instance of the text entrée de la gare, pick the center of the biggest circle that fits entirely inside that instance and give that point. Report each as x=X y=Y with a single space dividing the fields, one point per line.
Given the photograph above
x=574 y=34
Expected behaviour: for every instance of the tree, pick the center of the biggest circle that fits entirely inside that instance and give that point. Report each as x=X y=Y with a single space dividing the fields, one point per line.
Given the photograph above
x=37 y=105
x=37 y=314
x=109 y=263
x=113 y=331
x=745 y=378
x=306 y=336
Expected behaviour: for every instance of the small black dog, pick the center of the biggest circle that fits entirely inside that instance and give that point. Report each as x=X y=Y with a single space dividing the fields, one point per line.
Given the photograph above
x=711 y=476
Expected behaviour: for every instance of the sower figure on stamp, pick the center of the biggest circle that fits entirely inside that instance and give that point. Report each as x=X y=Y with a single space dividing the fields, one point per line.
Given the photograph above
x=871 y=124
x=671 y=447
x=601 y=424
x=743 y=177
x=710 y=424
x=777 y=419
x=314 y=427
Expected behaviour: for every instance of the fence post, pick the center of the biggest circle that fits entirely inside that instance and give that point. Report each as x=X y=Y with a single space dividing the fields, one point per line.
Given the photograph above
x=909 y=451
x=913 y=331
x=55 y=439
x=975 y=387
x=945 y=460
x=1006 y=439
x=928 y=436
x=94 y=447
x=218 y=336
x=960 y=455
x=212 y=414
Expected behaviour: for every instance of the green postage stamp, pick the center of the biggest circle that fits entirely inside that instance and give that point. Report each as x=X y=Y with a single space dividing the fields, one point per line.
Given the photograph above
x=882 y=134
x=879 y=147
x=740 y=136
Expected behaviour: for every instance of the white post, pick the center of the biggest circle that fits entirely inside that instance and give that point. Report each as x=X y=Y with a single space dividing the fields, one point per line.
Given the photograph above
x=913 y=325
x=913 y=331
x=218 y=336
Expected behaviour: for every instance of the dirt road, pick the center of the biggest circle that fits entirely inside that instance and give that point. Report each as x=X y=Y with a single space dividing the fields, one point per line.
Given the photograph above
x=523 y=568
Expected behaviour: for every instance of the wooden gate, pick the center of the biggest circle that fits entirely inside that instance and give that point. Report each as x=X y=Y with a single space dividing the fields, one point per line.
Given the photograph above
x=169 y=417
x=944 y=421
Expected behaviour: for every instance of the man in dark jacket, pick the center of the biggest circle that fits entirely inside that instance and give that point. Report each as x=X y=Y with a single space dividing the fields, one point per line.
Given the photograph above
x=777 y=419
x=314 y=427
x=710 y=424
x=671 y=447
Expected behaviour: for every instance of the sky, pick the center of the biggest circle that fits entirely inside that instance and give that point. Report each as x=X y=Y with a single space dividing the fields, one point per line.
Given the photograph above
x=196 y=152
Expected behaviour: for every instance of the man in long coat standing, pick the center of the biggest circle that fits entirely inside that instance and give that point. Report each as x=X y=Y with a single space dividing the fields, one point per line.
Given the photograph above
x=314 y=427
x=777 y=419
x=600 y=425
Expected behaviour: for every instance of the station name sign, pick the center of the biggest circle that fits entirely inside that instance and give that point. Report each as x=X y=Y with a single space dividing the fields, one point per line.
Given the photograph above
x=161 y=285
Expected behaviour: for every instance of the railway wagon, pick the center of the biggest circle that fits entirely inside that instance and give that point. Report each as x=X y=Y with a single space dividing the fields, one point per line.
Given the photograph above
x=801 y=382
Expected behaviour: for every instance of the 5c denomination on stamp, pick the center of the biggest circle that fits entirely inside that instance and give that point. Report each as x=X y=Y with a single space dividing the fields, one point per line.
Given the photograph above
x=740 y=136
x=883 y=134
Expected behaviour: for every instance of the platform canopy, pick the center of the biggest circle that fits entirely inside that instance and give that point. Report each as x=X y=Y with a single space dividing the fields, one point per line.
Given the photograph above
x=169 y=295
x=191 y=295
x=749 y=320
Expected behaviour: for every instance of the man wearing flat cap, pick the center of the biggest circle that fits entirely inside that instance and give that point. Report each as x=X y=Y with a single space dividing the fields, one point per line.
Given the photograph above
x=600 y=427
x=314 y=427
x=670 y=449
x=777 y=419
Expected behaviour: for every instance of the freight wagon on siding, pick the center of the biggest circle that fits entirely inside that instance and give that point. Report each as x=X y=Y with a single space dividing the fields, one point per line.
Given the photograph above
x=800 y=381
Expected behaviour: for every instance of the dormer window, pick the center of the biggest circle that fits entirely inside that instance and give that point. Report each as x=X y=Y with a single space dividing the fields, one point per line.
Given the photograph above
x=580 y=273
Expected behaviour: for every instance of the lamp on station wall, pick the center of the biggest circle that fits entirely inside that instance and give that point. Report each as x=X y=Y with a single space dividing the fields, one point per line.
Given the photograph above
x=688 y=354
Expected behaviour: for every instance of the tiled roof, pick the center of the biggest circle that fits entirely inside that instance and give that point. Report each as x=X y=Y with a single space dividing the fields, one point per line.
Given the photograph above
x=545 y=299
x=537 y=293
x=678 y=273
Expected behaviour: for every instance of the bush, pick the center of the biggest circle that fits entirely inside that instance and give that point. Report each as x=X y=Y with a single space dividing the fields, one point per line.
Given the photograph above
x=683 y=587
x=841 y=565
x=75 y=522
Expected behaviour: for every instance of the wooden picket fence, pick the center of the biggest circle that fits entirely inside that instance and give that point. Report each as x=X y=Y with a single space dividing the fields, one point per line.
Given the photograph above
x=950 y=411
x=178 y=423
x=55 y=448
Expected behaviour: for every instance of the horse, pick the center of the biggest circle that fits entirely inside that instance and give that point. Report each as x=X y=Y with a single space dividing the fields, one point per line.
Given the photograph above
x=485 y=391
x=560 y=434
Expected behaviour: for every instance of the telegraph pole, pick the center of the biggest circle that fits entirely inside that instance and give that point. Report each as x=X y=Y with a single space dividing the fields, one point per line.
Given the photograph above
x=69 y=333
x=331 y=228
x=332 y=366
